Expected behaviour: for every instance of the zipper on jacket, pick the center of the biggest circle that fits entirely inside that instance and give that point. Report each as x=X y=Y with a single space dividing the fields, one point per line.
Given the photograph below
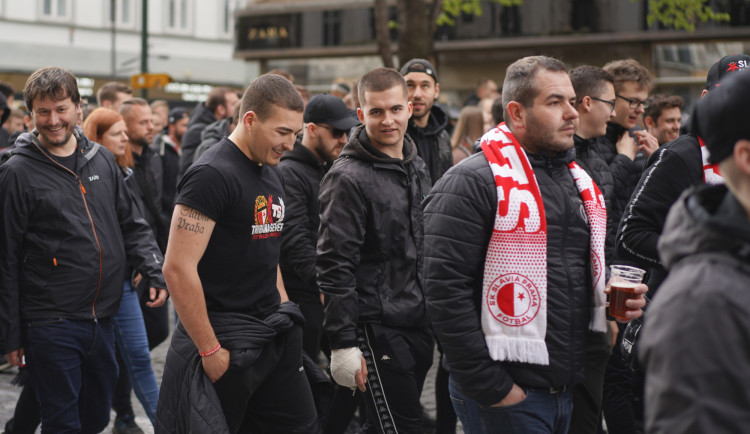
x=93 y=227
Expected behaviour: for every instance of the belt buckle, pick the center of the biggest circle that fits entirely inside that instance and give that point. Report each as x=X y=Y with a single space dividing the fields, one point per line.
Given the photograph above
x=553 y=390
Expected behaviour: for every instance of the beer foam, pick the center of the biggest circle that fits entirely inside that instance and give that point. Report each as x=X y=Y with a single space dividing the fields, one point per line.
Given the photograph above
x=625 y=285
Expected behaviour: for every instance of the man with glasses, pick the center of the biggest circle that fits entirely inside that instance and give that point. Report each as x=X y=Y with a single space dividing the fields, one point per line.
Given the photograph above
x=595 y=103
x=327 y=122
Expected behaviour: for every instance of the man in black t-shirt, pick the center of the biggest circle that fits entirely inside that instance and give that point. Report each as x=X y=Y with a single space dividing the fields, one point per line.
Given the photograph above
x=222 y=259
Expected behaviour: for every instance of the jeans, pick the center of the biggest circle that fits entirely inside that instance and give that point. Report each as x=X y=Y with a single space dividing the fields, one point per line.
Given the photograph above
x=130 y=335
x=541 y=411
x=72 y=369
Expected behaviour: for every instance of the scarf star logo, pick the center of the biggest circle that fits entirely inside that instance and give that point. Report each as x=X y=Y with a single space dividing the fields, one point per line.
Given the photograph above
x=733 y=67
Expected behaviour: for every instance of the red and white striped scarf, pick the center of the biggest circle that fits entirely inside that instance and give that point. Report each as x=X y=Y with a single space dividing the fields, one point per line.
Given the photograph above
x=711 y=173
x=514 y=295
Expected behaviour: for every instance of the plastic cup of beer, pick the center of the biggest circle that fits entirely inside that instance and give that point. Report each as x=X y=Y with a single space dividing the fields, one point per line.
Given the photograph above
x=623 y=281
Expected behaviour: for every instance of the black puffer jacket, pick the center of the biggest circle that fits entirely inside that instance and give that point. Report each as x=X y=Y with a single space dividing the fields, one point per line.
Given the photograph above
x=200 y=118
x=371 y=238
x=66 y=237
x=597 y=168
x=625 y=172
x=302 y=174
x=695 y=343
x=433 y=143
x=459 y=217
x=670 y=170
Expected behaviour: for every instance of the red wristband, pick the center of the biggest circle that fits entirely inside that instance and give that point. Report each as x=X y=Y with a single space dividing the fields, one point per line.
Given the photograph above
x=208 y=353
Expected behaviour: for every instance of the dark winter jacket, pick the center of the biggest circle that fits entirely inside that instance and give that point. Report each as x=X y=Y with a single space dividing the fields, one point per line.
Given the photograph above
x=149 y=175
x=597 y=168
x=170 y=163
x=188 y=402
x=695 y=343
x=459 y=217
x=670 y=170
x=625 y=172
x=211 y=135
x=370 y=240
x=66 y=237
x=433 y=143
x=302 y=174
x=200 y=118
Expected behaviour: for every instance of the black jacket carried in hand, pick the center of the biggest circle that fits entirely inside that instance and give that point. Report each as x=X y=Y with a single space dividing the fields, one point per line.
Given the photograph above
x=695 y=344
x=370 y=242
x=302 y=174
x=459 y=217
x=67 y=237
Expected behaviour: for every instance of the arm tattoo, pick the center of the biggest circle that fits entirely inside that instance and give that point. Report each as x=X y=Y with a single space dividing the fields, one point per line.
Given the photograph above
x=190 y=220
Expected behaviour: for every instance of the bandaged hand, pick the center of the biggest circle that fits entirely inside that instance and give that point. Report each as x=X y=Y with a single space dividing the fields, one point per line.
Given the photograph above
x=345 y=364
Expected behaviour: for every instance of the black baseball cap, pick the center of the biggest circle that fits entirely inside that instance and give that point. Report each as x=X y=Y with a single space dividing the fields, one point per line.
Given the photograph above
x=176 y=114
x=726 y=65
x=419 y=65
x=719 y=117
x=329 y=110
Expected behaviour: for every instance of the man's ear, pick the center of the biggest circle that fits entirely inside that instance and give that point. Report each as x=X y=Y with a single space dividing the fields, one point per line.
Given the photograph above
x=517 y=114
x=221 y=111
x=649 y=122
x=742 y=156
x=361 y=115
x=437 y=90
x=585 y=104
x=248 y=119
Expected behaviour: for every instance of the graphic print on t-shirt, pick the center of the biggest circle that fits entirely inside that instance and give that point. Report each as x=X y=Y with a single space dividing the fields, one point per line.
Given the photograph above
x=268 y=217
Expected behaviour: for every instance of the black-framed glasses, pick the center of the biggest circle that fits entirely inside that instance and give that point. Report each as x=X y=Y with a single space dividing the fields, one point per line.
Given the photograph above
x=611 y=102
x=335 y=132
x=632 y=102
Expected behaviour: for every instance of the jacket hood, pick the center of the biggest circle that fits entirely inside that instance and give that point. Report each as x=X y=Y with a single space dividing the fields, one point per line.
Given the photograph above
x=359 y=146
x=706 y=218
x=201 y=115
x=300 y=153
x=215 y=130
x=437 y=122
x=28 y=144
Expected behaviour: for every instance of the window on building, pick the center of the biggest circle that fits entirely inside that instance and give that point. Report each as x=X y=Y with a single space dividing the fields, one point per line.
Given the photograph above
x=125 y=13
x=226 y=16
x=179 y=16
x=55 y=10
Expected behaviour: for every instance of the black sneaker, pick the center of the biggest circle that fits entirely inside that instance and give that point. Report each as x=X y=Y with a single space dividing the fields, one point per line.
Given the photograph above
x=125 y=424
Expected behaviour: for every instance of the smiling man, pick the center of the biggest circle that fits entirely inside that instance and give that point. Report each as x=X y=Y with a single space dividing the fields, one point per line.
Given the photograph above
x=514 y=237
x=370 y=259
x=663 y=117
x=222 y=261
x=428 y=123
x=68 y=230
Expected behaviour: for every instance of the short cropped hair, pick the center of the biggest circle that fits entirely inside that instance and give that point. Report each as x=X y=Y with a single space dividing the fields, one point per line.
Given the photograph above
x=217 y=97
x=127 y=106
x=109 y=91
x=267 y=91
x=379 y=80
x=589 y=81
x=659 y=102
x=520 y=84
x=159 y=103
x=51 y=82
x=625 y=70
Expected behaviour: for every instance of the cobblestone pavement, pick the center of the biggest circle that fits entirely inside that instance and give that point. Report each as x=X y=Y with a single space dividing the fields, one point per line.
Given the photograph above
x=9 y=393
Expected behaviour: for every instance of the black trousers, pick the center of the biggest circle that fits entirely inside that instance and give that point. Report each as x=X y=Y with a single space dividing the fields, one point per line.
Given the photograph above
x=397 y=363
x=273 y=395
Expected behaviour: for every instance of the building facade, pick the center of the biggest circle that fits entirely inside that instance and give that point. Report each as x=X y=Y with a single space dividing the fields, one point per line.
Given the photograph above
x=191 y=40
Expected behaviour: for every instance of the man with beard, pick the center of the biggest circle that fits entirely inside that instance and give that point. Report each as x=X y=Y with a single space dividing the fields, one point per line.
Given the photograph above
x=327 y=124
x=428 y=123
x=514 y=241
x=68 y=230
x=169 y=147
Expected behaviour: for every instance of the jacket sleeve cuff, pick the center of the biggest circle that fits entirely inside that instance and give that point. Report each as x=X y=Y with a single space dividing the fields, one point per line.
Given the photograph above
x=343 y=339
